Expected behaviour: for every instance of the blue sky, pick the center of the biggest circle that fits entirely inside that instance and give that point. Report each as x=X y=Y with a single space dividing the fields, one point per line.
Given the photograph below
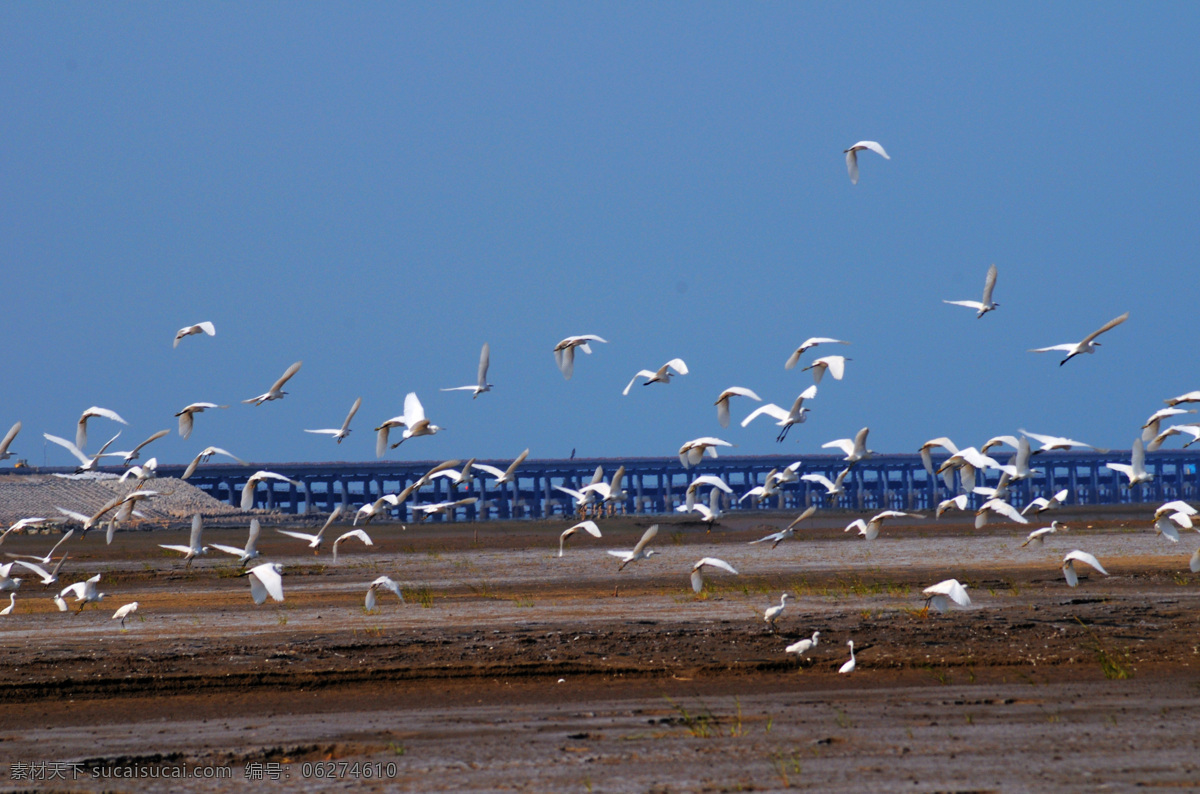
x=378 y=189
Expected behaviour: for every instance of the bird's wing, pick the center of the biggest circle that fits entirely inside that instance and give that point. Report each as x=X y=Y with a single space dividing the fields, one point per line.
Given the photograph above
x=288 y=373
x=811 y=509
x=713 y=480
x=39 y=570
x=1006 y=510
x=219 y=451
x=677 y=365
x=298 y=535
x=492 y=470
x=590 y=527
x=270 y=579
x=989 y=284
x=353 y=410
x=1083 y=556
x=328 y=431
x=1067 y=348
x=647 y=536
x=413 y=410
x=873 y=146
x=68 y=446
x=234 y=550
x=852 y=165
x=485 y=358
x=154 y=437
x=858 y=524
x=771 y=409
x=180 y=549
x=837 y=367
x=565 y=358
x=197 y=528
x=643 y=373
x=356 y=533
x=1108 y=326
x=715 y=563
x=9 y=436
x=107 y=444
x=512 y=467
x=739 y=391
x=844 y=444
x=976 y=305
x=820 y=479
x=113 y=415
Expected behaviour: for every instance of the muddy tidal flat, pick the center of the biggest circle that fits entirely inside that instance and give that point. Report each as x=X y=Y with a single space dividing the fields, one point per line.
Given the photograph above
x=510 y=669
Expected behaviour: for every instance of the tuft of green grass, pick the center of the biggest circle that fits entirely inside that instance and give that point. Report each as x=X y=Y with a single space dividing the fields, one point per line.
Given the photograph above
x=785 y=765
x=420 y=594
x=1111 y=664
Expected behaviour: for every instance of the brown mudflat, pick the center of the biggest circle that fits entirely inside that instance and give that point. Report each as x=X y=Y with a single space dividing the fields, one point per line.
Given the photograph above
x=510 y=669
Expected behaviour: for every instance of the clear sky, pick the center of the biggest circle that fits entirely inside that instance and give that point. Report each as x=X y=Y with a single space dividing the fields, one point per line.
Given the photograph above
x=378 y=189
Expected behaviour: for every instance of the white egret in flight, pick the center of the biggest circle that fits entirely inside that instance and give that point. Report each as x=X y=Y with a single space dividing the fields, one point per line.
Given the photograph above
x=870 y=529
x=564 y=352
x=1068 y=565
x=340 y=433
x=836 y=366
x=784 y=419
x=722 y=402
x=198 y=328
x=809 y=344
x=195 y=547
x=509 y=474
x=250 y=551
x=1087 y=345
x=852 y=157
x=640 y=552
x=276 y=391
x=85 y=463
x=266 y=579
x=84 y=592
x=692 y=452
x=587 y=526
x=81 y=428
x=940 y=595
x=187 y=414
x=789 y=531
x=354 y=533
x=1135 y=470
x=5 y=454
x=986 y=305
x=255 y=479
x=203 y=457
x=1038 y=536
x=707 y=562
x=135 y=453
x=832 y=489
x=855 y=448
x=662 y=375
x=1041 y=504
x=382 y=583
x=314 y=541
x=485 y=357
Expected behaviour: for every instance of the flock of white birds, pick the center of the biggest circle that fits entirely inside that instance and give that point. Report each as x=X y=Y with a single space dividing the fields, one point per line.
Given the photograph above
x=598 y=495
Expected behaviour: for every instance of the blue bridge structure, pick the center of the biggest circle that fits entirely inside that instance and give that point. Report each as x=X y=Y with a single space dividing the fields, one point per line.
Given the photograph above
x=657 y=485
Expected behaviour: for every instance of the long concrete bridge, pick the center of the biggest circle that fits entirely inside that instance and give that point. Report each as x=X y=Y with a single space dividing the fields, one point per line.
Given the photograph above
x=657 y=485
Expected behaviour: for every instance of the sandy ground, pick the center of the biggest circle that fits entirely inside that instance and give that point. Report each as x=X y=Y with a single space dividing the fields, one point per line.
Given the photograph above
x=508 y=669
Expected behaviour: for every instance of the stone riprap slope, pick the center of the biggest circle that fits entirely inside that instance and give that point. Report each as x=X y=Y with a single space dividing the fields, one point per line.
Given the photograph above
x=24 y=496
